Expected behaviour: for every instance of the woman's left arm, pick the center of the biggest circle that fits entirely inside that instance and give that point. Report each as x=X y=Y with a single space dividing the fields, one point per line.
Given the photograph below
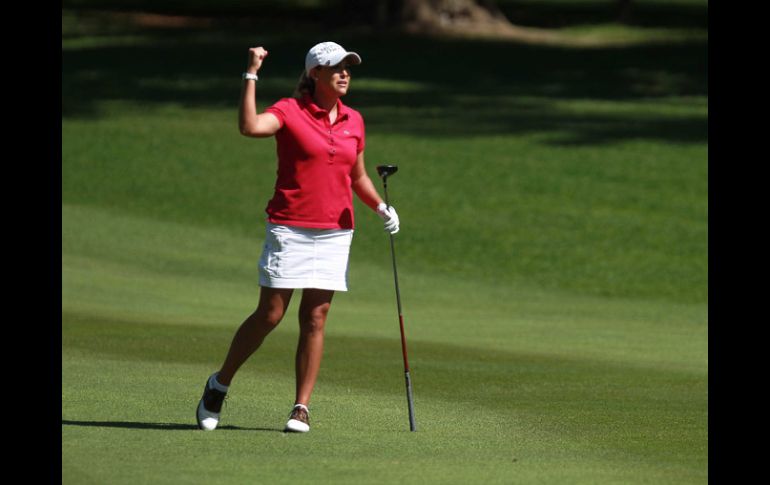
x=364 y=188
x=362 y=184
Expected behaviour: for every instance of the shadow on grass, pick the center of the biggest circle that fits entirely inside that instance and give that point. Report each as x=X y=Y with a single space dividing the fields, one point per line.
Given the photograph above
x=553 y=14
x=453 y=87
x=156 y=426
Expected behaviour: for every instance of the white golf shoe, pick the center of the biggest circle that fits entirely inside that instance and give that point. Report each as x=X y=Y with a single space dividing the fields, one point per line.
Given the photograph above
x=209 y=407
x=299 y=422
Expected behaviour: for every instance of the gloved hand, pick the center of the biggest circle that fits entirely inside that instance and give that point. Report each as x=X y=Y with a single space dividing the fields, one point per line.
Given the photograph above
x=388 y=214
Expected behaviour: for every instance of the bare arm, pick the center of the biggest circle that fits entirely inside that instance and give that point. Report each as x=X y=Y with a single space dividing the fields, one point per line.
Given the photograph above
x=250 y=122
x=364 y=189
x=362 y=184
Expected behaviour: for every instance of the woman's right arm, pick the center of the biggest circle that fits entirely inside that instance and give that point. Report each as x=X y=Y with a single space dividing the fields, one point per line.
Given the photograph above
x=249 y=122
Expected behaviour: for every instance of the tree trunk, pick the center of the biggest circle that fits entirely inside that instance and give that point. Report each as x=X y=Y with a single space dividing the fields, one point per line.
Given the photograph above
x=624 y=10
x=453 y=17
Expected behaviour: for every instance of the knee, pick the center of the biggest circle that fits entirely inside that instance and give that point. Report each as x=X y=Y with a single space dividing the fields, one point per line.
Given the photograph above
x=269 y=317
x=314 y=320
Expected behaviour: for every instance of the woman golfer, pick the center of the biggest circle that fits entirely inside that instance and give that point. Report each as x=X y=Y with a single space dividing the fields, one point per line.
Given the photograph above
x=320 y=144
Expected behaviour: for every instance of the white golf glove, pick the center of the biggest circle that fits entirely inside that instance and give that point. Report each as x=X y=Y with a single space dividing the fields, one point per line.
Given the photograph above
x=388 y=214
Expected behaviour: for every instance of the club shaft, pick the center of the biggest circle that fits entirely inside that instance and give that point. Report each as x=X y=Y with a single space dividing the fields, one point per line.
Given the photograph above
x=395 y=279
x=410 y=401
x=398 y=292
x=409 y=398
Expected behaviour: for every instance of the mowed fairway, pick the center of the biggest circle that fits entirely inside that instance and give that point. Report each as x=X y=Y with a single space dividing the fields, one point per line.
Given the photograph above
x=552 y=263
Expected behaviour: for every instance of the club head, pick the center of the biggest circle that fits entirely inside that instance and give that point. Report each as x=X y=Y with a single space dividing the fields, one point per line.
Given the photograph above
x=386 y=170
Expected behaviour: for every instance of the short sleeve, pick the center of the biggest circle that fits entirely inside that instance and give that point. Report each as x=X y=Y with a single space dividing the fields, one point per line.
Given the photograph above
x=280 y=110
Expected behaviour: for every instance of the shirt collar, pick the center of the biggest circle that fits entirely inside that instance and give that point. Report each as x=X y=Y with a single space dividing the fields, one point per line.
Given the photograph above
x=317 y=111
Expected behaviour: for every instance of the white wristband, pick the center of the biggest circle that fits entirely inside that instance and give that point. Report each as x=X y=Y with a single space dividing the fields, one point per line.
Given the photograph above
x=249 y=76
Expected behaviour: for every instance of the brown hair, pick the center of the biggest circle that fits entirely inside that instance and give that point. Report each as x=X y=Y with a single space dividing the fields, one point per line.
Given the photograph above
x=305 y=85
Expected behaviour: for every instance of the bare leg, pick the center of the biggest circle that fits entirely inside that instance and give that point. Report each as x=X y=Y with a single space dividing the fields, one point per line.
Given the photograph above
x=312 y=319
x=252 y=332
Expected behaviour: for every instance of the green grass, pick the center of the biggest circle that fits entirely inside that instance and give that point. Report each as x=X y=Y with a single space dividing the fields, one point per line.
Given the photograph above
x=509 y=386
x=552 y=262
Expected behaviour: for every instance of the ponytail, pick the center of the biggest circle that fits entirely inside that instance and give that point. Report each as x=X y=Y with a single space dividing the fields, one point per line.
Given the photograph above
x=305 y=85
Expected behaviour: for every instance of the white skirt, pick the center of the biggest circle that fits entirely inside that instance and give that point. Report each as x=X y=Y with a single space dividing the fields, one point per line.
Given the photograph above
x=296 y=257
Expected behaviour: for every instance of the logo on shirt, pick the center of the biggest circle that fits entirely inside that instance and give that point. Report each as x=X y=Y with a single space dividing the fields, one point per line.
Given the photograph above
x=346 y=132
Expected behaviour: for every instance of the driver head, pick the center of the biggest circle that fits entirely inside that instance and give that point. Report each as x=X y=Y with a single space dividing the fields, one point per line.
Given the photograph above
x=386 y=170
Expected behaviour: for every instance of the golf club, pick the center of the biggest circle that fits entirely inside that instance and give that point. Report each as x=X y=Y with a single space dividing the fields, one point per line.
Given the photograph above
x=384 y=172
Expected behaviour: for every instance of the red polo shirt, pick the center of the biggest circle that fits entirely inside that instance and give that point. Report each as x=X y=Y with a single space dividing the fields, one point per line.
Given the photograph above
x=315 y=159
